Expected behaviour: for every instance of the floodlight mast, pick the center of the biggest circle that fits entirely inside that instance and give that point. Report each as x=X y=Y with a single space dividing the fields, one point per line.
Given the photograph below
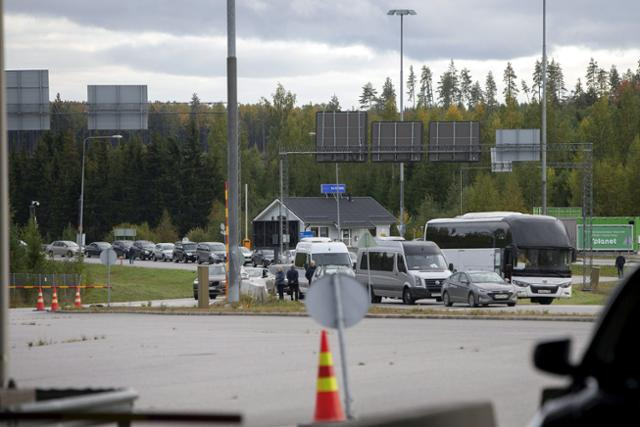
x=401 y=13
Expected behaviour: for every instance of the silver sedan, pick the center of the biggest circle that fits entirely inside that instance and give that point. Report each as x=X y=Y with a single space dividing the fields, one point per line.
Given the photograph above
x=477 y=288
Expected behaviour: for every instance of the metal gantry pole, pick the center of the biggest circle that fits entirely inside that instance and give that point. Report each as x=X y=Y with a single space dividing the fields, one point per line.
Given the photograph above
x=544 y=107
x=80 y=218
x=4 y=219
x=401 y=228
x=338 y=203
x=280 y=234
x=232 y=150
x=246 y=211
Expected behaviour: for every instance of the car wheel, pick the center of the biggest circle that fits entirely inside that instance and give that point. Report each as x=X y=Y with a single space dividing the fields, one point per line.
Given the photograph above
x=195 y=296
x=199 y=262
x=511 y=304
x=545 y=301
x=255 y=265
x=406 y=297
x=471 y=300
x=87 y=254
x=212 y=297
x=51 y=254
x=69 y=254
x=446 y=299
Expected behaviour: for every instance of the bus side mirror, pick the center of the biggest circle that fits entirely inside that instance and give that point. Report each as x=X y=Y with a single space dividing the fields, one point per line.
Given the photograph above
x=451 y=267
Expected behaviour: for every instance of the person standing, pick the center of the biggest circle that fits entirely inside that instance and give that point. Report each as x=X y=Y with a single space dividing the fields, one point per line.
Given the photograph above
x=620 y=261
x=280 y=283
x=292 y=278
x=310 y=271
x=131 y=255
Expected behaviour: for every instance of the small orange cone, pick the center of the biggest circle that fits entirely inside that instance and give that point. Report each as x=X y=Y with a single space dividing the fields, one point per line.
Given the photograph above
x=54 y=301
x=40 y=302
x=77 y=303
x=328 y=407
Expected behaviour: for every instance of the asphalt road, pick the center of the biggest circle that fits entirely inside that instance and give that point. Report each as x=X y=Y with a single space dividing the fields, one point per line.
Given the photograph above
x=265 y=367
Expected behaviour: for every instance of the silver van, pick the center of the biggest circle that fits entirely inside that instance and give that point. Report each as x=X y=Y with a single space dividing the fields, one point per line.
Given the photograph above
x=409 y=270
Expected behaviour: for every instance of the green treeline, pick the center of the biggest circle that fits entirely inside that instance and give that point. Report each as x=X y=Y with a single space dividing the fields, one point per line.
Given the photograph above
x=174 y=173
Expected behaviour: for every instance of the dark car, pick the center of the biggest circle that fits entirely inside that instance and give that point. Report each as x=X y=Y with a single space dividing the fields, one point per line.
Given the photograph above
x=142 y=249
x=263 y=257
x=122 y=247
x=211 y=252
x=185 y=252
x=95 y=248
x=478 y=288
x=604 y=387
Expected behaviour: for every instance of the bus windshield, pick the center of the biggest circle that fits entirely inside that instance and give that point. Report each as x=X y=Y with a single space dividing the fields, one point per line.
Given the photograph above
x=332 y=258
x=543 y=260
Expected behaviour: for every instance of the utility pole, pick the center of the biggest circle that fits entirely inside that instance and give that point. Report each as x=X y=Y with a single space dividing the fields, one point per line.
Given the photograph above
x=4 y=220
x=544 y=107
x=232 y=152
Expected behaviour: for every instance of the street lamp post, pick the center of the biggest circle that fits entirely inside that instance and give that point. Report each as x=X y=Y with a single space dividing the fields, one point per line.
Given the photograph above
x=401 y=13
x=80 y=237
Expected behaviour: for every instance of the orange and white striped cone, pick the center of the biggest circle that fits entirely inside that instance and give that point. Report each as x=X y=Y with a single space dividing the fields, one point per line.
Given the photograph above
x=40 y=302
x=54 y=301
x=328 y=407
x=77 y=303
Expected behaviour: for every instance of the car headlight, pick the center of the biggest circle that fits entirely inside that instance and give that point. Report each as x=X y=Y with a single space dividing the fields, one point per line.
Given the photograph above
x=520 y=284
x=483 y=291
x=420 y=282
x=565 y=285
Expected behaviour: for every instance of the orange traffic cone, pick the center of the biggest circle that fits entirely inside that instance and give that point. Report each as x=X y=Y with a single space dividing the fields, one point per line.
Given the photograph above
x=54 y=301
x=328 y=407
x=40 y=302
x=77 y=303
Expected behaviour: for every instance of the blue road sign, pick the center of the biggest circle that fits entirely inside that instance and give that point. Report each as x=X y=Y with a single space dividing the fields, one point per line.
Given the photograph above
x=333 y=188
x=307 y=233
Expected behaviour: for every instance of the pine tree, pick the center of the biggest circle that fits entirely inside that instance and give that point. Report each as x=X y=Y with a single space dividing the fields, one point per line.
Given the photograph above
x=490 y=91
x=614 y=78
x=387 y=101
x=466 y=84
x=555 y=82
x=368 y=96
x=411 y=87
x=477 y=96
x=425 y=96
x=448 y=91
x=334 y=104
x=603 y=82
x=536 y=89
x=592 y=79
x=510 y=83
x=525 y=89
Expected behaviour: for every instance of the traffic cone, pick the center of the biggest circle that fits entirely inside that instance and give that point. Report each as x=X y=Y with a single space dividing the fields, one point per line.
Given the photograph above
x=54 y=301
x=77 y=303
x=40 y=302
x=328 y=407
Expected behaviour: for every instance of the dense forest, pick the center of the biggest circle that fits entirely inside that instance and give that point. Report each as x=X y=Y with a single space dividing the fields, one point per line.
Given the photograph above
x=169 y=180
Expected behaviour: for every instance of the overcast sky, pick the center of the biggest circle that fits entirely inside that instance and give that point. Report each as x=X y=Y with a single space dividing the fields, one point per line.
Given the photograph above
x=315 y=48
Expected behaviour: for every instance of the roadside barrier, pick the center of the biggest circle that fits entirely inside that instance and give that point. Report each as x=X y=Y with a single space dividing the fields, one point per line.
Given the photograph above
x=328 y=407
x=54 y=301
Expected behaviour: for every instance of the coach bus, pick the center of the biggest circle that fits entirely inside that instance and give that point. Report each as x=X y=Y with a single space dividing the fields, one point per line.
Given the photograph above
x=534 y=251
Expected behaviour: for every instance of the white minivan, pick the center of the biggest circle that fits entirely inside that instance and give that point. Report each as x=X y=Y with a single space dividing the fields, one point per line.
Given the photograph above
x=396 y=268
x=324 y=252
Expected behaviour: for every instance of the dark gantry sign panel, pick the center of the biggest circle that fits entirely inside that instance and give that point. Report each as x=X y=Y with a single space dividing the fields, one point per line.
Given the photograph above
x=117 y=107
x=28 y=99
x=341 y=136
x=396 y=141
x=454 y=141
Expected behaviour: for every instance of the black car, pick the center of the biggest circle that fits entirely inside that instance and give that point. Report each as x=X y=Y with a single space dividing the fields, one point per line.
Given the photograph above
x=95 y=248
x=263 y=257
x=604 y=386
x=185 y=252
x=211 y=252
x=122 y=247
x=142 y=249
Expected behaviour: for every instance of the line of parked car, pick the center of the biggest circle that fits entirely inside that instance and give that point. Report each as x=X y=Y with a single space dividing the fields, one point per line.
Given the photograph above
x=202 y=253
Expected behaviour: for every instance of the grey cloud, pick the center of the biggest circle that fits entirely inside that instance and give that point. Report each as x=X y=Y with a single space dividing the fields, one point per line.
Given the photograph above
x=459 y=29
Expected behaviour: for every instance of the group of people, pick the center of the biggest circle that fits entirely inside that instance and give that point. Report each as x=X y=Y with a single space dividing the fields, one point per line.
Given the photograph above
x=292 y=280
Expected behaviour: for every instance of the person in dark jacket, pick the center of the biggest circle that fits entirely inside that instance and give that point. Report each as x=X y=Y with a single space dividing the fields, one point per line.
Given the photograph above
x=292 y=279
x=620 y=261
x=280 y=283
x=310 y=271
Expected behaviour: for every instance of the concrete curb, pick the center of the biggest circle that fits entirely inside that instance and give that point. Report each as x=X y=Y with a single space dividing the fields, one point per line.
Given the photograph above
x=550 y=318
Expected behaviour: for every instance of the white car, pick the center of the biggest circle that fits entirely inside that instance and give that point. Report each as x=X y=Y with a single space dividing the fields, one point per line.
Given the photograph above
x=163 y=252
x=246 y=253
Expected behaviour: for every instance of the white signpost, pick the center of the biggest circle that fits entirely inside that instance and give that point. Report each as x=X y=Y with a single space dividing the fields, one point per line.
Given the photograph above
x=108 y=257
x=338 y=301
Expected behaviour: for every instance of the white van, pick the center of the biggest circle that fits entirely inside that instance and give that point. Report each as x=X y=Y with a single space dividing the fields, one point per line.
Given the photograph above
x=409 y=270
x=324 y=252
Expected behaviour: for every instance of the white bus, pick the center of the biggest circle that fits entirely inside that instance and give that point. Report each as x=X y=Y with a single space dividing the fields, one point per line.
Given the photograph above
x=533 y=250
